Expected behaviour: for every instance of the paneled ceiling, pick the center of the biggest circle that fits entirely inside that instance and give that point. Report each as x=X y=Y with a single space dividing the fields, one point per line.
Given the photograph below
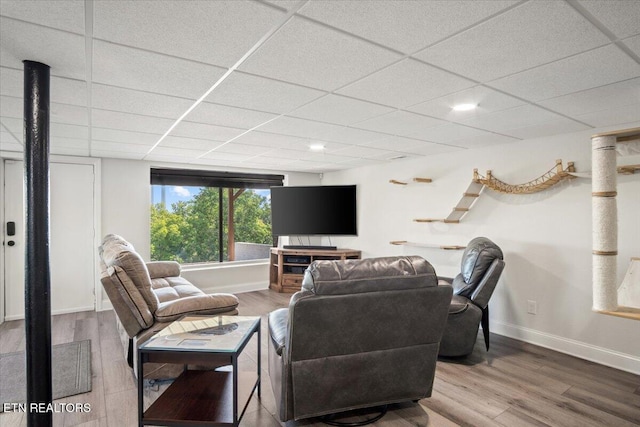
x=254 y=84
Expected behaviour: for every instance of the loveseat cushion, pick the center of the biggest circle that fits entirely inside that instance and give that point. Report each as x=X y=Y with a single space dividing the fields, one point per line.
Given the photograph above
x=198 y=304
x=170 y=288
x=368 y=275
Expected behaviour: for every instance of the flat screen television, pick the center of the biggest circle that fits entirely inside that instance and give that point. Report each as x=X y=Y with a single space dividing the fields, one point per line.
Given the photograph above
x=328 y=210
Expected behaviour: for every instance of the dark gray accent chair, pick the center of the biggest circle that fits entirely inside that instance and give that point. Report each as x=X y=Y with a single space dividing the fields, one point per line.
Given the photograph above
x=482 y=265
x=359 y=334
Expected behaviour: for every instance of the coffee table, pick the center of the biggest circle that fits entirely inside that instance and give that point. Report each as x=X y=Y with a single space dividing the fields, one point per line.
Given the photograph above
x=216 y=397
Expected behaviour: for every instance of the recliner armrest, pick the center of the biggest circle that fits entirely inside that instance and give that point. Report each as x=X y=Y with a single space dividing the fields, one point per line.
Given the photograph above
x=278 y=320
x=442 y=280
x=197 y=305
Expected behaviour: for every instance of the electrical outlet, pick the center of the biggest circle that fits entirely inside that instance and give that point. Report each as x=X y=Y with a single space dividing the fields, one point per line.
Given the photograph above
x=532 y=307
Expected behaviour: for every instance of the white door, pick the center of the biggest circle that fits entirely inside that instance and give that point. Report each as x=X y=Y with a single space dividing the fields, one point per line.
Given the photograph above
x=71 y=238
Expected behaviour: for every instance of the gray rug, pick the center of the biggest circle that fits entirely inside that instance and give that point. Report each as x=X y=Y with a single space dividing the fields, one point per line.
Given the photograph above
x=71 y=367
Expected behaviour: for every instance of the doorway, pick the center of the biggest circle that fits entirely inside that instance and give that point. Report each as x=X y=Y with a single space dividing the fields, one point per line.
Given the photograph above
x=72 y=237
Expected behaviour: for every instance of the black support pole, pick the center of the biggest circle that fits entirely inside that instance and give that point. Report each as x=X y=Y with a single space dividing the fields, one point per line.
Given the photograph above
x=37 y=289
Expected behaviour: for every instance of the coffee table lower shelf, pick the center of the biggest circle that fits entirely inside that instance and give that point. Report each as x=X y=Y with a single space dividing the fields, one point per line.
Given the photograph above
x=202 y=398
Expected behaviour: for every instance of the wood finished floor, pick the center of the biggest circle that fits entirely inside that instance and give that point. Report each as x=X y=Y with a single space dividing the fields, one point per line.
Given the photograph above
x=514 y=384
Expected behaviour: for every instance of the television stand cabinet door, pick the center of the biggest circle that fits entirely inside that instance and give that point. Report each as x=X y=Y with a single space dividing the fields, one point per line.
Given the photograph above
x=287 y=266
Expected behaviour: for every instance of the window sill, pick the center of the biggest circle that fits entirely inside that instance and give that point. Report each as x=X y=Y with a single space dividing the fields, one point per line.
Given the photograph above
x=223 y=265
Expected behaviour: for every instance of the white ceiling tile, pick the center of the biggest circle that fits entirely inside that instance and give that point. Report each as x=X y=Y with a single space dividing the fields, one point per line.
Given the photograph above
x=400 y=123
x=204 y=131
x=363 y=152
x=65 y=15
x=227 y=157
x=117 y=146
x=13 y=125
x=189 y=143
x=299 y=127
x=609 y=97
x=245 y=149
x=553 y=127
x=80 y=144
x=488 y=101
x=401 y=25
x=214 y=32
x=513 y=118
x=152 y=72
x=62 y=51
x=612 y=116
x=7 y=137
x=429 y=149
x=222 y=115
x=312 y=55
x=116 y=154
x=69 y=151
x=396 y=143
x=11 y=107
x=161 y=151
x=450 y=132
x=354 y=163
x=598 y=67
x=133 y=101
x=130 y=122
x=486 y=140
x=72 y=114
x=11 y=146
x=516 y=40
x=283 y=153
x=271 y=140
x=406 y=83
x=621 y=17
x=62 y=90
x=339 y=110
x=350 y=135
x=124 y=137
x=633 y=43
x=64 y=130
x=260 y=93
x=324 y=157
x=271 y=161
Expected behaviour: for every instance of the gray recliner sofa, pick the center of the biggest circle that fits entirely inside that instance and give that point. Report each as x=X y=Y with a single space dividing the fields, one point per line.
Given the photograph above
x=148 y=296
x=360 y=333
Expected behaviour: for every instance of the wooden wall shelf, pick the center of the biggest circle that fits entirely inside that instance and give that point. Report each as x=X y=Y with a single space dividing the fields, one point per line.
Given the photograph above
x=428 y=245
x=417 y=179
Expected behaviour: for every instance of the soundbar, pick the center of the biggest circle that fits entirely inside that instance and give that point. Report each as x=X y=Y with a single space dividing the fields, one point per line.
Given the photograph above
x=311 y=247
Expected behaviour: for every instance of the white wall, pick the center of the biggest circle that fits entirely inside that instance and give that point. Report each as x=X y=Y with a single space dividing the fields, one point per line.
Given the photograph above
x=546 y=237
x=126 y=203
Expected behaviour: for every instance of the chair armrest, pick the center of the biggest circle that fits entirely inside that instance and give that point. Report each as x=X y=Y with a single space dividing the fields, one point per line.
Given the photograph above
x=159 y=269
x=278 y=328
x=197 y=304
x=442 y=280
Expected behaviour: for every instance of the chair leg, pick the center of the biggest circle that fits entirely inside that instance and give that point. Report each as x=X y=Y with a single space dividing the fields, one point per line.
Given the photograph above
x=485 y=325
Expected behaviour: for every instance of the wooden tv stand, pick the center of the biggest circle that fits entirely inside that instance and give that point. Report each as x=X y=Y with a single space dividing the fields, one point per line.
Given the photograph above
x=287 y=266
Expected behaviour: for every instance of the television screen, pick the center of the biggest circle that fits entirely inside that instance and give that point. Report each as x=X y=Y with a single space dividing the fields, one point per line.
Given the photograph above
x=320 y=210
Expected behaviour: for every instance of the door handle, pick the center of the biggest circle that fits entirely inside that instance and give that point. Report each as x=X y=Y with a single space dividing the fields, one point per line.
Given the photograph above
x=11 y=229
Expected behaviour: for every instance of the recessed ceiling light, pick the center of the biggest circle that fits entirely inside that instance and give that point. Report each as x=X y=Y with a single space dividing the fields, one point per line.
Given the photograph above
x=464 y=107
x=316 y=147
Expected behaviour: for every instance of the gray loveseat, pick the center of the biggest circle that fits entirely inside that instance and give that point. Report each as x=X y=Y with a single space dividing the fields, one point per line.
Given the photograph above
x=148 y=296
x=360 y=333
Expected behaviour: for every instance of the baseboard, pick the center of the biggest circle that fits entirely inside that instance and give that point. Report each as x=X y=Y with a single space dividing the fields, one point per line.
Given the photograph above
x=55 y=312
x=238 y=288
x=601 y=355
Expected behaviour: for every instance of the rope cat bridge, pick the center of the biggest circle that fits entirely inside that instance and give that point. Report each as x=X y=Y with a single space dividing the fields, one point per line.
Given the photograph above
x=544 y=181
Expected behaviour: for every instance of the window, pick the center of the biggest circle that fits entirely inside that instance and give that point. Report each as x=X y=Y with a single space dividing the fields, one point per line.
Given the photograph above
x=207 y=216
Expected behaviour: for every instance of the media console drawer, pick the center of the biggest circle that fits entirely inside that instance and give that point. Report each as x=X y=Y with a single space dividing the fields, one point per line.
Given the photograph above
x=288 y=280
